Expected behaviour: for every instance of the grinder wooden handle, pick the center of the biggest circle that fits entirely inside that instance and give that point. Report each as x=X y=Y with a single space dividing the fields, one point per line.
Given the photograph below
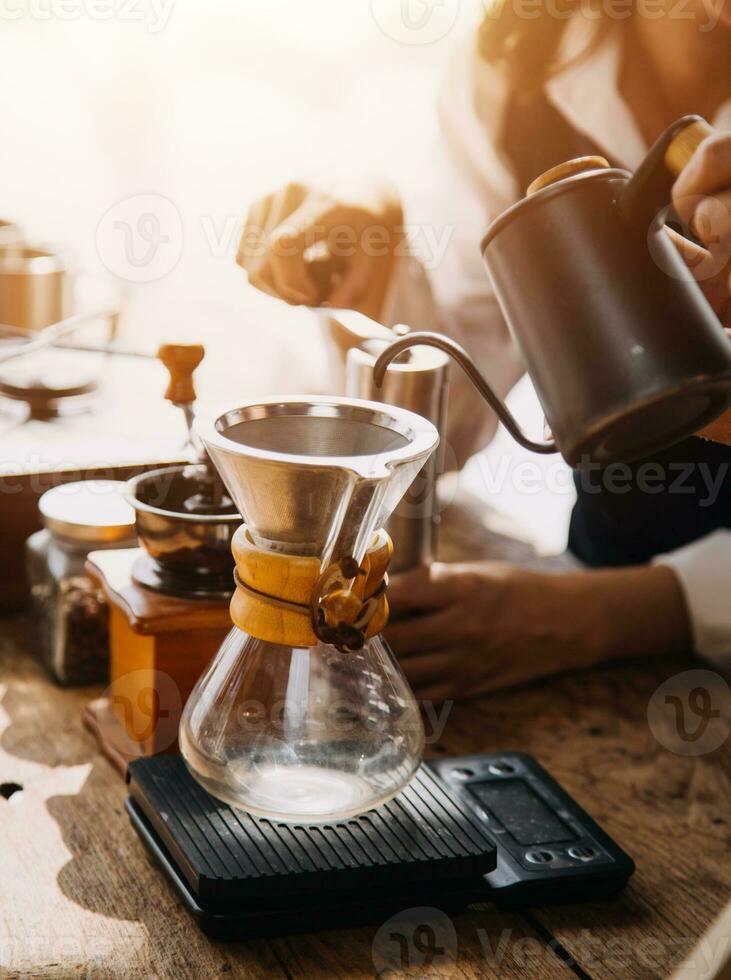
x=181 y=360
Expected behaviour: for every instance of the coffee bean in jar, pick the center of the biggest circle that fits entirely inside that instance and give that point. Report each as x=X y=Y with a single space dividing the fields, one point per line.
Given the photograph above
x=68 y=612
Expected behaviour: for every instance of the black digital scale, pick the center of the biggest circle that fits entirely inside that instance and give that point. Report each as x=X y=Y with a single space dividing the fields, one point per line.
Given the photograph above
x=467 y=830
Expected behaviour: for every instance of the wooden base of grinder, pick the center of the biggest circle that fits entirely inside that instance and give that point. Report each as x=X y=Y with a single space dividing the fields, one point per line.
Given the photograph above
x=159 y=645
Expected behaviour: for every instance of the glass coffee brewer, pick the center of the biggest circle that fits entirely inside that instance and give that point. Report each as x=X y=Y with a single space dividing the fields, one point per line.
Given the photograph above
x=304 y=715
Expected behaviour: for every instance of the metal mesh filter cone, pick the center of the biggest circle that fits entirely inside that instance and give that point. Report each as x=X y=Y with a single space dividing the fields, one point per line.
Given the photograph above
x=317 y=476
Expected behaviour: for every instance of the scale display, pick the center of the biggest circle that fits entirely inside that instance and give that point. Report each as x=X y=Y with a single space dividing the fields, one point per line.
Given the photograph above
x=521 y=811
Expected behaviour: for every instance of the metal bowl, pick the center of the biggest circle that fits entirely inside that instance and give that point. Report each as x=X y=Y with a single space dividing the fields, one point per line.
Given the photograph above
x=186 y=547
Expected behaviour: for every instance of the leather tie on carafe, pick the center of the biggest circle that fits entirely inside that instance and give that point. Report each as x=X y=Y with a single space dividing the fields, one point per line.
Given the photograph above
x=290 y=600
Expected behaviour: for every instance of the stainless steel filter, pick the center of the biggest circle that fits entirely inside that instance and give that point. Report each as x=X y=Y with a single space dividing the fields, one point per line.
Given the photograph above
x=317 y=476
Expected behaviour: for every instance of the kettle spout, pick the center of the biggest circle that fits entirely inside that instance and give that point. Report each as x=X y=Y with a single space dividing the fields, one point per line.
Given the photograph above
x=464 y=360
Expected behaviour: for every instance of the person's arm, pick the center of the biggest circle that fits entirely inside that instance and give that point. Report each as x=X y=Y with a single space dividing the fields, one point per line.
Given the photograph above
x=704 y=572
x=465 y=629
x=436 y=280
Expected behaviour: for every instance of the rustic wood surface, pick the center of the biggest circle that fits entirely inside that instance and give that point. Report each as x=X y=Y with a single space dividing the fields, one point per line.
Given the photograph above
x=81 y=897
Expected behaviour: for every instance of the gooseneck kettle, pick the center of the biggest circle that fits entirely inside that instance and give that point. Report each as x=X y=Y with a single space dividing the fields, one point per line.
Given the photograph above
x=625 y=353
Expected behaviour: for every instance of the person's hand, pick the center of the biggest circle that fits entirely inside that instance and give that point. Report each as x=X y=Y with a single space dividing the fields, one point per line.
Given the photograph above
x=463 y=630
x=702 y=198
x=358 y=227
x=470 y=628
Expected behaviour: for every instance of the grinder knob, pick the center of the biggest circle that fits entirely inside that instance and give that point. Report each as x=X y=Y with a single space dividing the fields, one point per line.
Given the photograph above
x=181 y=360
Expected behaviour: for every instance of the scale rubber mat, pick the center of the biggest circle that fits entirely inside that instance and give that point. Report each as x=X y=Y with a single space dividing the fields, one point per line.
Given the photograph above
x=423 y=834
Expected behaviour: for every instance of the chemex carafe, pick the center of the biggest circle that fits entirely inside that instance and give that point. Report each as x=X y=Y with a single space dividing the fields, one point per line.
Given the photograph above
x=304 y=715
x=625 y=353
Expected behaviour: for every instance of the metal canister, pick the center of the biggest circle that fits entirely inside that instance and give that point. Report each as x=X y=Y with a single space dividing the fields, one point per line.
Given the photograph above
x=418 y=381
x=35 y=288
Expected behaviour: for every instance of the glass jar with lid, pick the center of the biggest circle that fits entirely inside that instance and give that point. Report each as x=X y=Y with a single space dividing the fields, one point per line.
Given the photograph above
x=68 y=612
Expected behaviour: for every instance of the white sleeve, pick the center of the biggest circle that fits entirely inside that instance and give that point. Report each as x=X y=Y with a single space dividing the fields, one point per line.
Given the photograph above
x=468 y=185
x=704 y=571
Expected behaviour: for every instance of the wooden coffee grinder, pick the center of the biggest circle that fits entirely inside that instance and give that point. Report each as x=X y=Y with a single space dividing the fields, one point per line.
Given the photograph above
x=169 y=599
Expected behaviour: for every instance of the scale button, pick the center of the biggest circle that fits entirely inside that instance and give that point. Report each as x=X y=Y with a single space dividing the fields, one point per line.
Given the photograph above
x=581 y=852
x=539 y=857
x=463 y=773
x=501 y=768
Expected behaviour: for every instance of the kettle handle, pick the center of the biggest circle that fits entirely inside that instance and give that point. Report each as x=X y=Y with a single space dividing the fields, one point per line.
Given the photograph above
x=464 y=360
x=647 y=193
x=682 y=146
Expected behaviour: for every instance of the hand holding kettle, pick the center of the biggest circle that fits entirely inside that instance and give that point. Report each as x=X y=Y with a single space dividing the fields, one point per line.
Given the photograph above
x=626 y=356
x=702 y=198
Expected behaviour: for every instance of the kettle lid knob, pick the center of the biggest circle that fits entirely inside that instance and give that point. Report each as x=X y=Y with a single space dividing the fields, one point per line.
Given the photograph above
x=578 y=165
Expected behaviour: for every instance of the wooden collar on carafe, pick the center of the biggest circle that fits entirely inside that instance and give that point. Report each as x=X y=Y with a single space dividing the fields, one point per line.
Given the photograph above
x=289 y=600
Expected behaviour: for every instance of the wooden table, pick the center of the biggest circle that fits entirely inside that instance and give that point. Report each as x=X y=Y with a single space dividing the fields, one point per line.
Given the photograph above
x=80 y=897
